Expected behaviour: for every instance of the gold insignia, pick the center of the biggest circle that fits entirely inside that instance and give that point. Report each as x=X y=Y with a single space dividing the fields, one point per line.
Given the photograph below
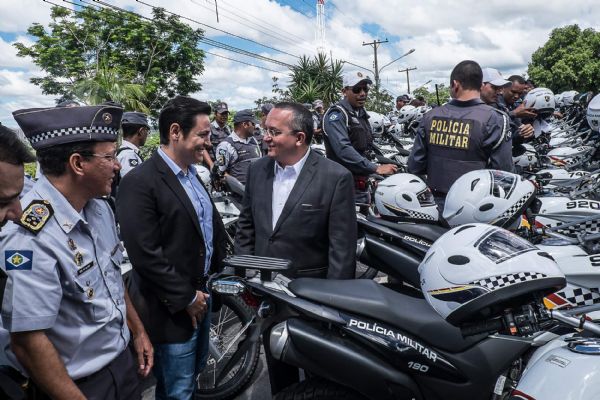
x=35 y=216
x=71 y=244
x=547 y=98
x=90 y=292
x=78 y=259
x=107 y=118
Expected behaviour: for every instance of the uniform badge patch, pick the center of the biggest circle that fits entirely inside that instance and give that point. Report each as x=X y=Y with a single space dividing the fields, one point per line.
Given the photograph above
x=333 y=117
x=133 y=162
x=35 y=216
x=18 y=260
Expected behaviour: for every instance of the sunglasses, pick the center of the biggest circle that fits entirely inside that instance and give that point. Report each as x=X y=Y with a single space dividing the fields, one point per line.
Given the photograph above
x=358 y=89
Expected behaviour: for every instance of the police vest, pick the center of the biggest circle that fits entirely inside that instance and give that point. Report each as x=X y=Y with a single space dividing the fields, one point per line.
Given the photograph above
x=454 y=138
x=359 y=131
x=246 y=152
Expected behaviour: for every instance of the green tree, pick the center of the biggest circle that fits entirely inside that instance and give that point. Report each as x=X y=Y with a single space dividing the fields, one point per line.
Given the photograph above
x=316 y=78
x=570 y=59
x=161 y=55
x=379 y=100
x=431 y=97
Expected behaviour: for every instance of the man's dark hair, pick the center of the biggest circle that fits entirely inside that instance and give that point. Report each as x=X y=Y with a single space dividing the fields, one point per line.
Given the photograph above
x=517 y=78
x=469 y=74
x=53 y=160
x=301 y=121
x=12 y=149
x=180 y=110
x=130 y=129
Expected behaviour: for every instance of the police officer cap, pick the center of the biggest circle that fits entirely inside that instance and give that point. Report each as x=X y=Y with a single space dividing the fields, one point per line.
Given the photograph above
x=355 y=77
x=493 y=76
x=403 y=97
x=266 y=108
x=317 y=103
x=221 y=108
x=135 y=118
x=243 y=116
x=47 y=127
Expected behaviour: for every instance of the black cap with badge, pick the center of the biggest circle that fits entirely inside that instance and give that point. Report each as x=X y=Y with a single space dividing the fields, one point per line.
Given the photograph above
x=135 y=118
x=243 y=116
x=47 y=127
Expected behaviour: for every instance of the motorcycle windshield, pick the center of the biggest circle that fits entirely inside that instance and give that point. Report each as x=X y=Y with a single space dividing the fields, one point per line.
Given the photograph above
x=503 y=184
x=501 y=246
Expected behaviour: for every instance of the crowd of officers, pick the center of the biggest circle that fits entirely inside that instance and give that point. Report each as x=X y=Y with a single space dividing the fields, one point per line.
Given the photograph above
x=74 y=329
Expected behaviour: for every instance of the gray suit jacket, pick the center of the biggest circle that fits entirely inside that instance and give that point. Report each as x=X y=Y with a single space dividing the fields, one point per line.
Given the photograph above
x=317 y=227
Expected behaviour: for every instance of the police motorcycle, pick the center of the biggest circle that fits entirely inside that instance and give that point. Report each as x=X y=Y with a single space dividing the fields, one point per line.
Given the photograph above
x=358 y=339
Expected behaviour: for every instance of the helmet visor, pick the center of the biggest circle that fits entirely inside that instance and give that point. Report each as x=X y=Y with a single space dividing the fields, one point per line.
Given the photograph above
x=425 y=198
x=500 y=246
x=503 y=184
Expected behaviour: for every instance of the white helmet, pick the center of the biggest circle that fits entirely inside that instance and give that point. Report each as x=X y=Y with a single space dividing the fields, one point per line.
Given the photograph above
x=406 y=114
x=420 y=111
x=476 y=270
x=377 y=121
x=490 y=196
x=405 y=195
x=542 y=100
x=593 y=113
x=558 y=100
x=568 y=97
x=204 y=174
x=528 y=158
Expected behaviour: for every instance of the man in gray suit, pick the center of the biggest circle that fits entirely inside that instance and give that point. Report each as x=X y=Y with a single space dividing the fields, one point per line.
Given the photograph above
x=298 y=205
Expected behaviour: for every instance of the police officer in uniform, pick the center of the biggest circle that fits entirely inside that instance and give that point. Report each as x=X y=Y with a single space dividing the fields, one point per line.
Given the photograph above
x=461 y=136
x=135 y=132
x=70 y=319
x=238 y=150
x=348 y=135
x=219 y=129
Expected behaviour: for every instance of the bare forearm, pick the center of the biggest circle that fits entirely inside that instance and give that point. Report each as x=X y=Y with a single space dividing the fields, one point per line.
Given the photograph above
x=133 y=319
x=40 y=358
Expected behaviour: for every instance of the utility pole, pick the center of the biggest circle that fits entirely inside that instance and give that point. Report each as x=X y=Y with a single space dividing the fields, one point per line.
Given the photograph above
x=375 y=44
x=407 y=78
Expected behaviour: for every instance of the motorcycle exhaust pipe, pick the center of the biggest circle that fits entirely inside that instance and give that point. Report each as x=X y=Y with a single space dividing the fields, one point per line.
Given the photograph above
x=339 y=359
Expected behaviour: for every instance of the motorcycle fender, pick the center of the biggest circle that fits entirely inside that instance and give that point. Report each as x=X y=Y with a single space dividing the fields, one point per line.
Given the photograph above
x=330 y=355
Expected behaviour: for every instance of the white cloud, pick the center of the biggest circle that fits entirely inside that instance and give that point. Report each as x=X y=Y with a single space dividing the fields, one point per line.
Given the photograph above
x=494 y=33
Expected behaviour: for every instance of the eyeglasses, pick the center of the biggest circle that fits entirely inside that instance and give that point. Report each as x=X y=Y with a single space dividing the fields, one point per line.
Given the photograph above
x=274 y=132
x=358 y=89
x=108 y=157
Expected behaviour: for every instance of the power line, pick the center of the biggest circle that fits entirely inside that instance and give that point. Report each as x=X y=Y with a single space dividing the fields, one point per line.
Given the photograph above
x=242 y=62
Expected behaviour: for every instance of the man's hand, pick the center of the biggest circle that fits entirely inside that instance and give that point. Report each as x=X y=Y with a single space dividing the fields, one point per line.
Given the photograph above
x=524 y=112
x=198 y=308
x=145 y=353
x=526 y=131
x=386 y=169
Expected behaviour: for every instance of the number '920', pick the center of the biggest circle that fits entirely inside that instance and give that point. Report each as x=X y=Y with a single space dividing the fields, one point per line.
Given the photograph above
x=594 y=205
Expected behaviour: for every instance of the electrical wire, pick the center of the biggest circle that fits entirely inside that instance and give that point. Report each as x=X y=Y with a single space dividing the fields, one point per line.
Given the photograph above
x=243 y=62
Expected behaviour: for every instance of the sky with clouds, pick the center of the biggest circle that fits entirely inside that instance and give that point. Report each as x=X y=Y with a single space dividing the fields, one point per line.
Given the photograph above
x=497 y=34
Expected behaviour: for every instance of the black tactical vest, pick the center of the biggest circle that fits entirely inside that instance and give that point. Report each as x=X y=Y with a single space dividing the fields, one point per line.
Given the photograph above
x=359 y=131
x=246 y=152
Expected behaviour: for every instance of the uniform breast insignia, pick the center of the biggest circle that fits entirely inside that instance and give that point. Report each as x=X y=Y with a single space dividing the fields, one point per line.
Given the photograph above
x=35 y=216
x=90 y=292
x=18 y=260
x=449 y=132
x=78 y=259
x=71 y=244
x=133 y=162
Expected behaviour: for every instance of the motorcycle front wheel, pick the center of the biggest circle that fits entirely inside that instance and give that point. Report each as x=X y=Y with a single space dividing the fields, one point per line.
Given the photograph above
x=228 y=328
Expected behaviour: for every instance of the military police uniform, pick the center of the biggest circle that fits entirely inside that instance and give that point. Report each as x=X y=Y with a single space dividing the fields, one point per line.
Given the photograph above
x=129 y=157
x=459 y=137
x=63 y=266
x=235 y=153
x=348 y=137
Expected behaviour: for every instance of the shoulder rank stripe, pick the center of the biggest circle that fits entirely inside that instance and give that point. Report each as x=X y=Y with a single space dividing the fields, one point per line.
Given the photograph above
x=35 y=216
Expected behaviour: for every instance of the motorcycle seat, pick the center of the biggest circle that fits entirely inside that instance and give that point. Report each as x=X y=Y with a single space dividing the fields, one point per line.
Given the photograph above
x=429 y=232
x=368 y=298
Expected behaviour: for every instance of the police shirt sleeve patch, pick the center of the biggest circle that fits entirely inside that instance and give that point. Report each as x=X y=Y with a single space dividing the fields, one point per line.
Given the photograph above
x=333 y=117
x=133 y=162
x=450 y=132
x=18 y=260
x=35 y=216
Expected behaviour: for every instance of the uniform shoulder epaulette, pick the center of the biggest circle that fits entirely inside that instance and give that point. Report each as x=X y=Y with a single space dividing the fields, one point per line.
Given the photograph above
x=35 y=216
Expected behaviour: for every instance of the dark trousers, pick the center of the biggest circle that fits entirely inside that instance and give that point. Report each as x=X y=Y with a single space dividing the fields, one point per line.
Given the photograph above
x=116 y=381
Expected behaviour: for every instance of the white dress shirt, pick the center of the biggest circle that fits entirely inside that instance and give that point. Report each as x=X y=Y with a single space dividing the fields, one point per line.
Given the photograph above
x=285 y=179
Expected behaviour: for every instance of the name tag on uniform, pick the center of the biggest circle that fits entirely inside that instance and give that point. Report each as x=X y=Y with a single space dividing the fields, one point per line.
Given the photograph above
x=85 y=268
x=450 y=132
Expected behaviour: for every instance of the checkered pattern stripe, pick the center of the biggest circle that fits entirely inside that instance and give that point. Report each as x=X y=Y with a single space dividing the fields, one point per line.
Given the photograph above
x=416 y=214
x=498 y=282
x=94 y=130
x=516 y=207
x=580 y=296
x=592 y=226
